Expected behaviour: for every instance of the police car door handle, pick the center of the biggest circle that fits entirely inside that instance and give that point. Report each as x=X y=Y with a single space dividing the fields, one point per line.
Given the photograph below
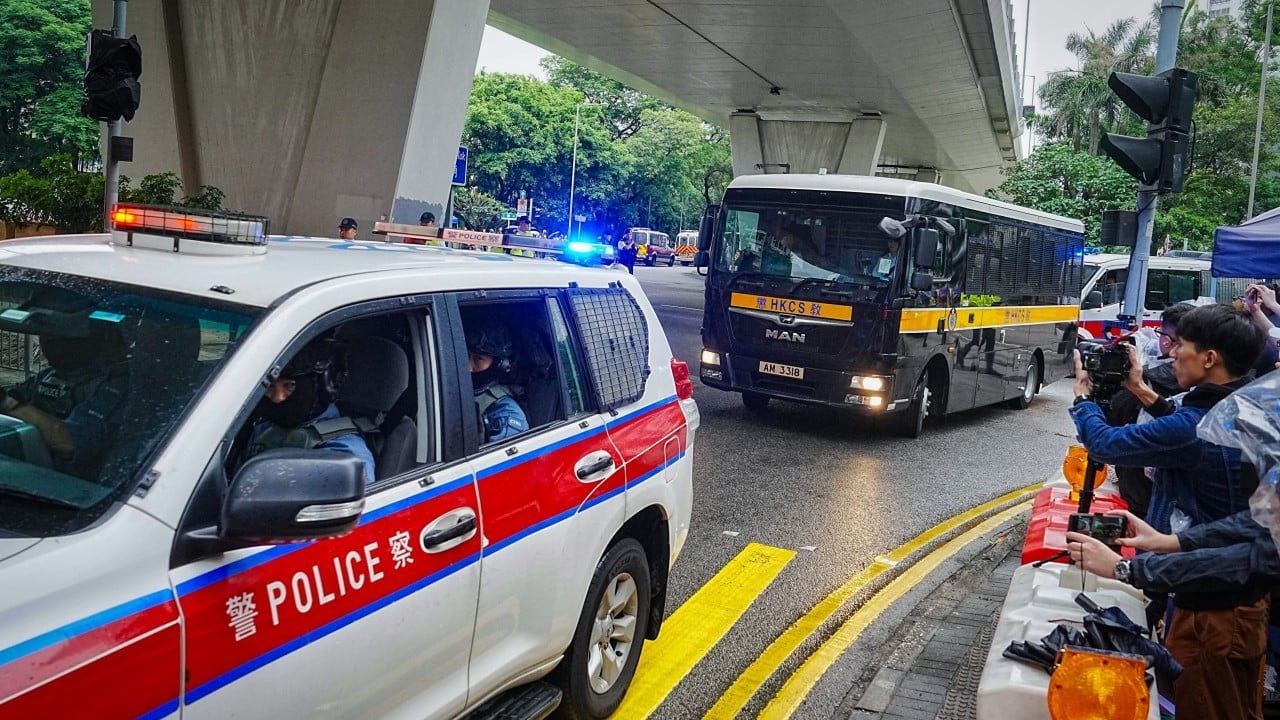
x=465 y=525
x=594 y=466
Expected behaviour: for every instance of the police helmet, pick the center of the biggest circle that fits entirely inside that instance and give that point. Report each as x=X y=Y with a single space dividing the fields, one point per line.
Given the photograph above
x=489 y=339
x=316 y=358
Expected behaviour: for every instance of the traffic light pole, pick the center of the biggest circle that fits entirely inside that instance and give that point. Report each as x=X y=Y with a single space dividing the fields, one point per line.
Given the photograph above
x=114 y=129
x=1135 y=289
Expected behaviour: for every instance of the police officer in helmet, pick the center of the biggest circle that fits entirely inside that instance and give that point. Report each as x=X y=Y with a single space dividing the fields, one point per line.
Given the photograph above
x=298 y=410
x=489 y=350
x=73 y=401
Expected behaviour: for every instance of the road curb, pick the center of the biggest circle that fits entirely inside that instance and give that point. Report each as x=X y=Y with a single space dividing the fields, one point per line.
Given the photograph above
x=844 y=603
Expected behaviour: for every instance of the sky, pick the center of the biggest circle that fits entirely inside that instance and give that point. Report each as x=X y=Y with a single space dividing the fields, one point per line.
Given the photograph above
x=1051 y=22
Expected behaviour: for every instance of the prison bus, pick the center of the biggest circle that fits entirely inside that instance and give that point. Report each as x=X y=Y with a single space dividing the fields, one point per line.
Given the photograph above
x=889 y=297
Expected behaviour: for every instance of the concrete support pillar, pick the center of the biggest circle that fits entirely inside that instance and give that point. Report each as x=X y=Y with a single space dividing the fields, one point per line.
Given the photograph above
x=782 y=143
x=861 y=153
x=744 y=143
x=305 y=111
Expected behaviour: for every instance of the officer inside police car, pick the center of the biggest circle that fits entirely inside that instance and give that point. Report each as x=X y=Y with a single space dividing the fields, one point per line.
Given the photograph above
x=298 y=411
x=489 y=352
x=73 y=400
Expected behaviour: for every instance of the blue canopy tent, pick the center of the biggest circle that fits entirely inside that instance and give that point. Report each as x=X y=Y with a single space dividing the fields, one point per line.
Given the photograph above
x=1248 y=250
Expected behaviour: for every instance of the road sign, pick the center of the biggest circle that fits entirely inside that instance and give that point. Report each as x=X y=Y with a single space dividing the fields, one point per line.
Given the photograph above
x=580 y=218
x=524 y=206
x=460 y=167
x=509 y=216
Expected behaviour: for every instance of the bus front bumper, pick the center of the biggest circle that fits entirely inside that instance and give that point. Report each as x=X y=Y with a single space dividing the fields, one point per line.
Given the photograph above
x=867 y=393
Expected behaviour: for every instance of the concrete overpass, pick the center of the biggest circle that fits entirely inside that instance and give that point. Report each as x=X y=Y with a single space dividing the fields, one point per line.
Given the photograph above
x=312 y=110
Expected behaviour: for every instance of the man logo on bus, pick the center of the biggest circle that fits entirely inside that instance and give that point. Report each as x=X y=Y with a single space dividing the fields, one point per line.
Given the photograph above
x=761 y=302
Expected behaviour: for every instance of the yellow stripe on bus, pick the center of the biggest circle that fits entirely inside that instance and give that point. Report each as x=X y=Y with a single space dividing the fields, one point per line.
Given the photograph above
x=965 y=318
x=692 y=630
x=791 y=306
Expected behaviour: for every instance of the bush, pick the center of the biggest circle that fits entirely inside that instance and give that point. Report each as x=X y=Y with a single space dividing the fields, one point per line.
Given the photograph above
x=71 y=200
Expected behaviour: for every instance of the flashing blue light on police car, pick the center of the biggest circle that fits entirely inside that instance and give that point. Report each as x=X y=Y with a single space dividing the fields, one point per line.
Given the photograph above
x=579 y=246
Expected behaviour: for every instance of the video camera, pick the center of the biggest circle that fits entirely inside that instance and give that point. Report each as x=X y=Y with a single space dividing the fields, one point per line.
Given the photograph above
x=1107 y=365
x=1107 y=528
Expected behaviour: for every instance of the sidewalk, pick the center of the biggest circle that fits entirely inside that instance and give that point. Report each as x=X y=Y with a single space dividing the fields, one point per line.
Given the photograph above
x=935 y=658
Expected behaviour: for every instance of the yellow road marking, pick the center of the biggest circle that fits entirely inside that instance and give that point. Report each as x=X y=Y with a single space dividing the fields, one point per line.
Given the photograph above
x=740 y=693
x=692 y=630
x=797 y=687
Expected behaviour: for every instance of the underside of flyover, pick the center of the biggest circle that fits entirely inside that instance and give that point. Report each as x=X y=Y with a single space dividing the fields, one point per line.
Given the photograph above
x=308 y=111
x=909 y=88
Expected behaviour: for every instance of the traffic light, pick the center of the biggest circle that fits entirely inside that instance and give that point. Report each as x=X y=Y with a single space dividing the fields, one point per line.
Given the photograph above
x=111 y=89
x=1165 y=101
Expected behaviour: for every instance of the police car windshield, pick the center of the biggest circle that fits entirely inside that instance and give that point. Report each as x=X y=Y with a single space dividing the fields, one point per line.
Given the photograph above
x=93 y=376
x=843 y=245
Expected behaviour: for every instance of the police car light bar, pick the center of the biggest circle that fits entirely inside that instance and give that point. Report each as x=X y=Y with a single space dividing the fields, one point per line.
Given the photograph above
x=417 y=235
x=172 y=225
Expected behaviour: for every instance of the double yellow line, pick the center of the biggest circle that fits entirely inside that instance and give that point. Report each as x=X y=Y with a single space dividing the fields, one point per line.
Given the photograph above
x=701 y=622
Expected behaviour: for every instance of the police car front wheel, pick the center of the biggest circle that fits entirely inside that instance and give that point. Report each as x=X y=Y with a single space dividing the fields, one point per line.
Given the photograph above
x=602 y=658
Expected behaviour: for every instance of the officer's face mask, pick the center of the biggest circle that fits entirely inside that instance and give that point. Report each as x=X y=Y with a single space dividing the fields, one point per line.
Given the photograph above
x=297 y=408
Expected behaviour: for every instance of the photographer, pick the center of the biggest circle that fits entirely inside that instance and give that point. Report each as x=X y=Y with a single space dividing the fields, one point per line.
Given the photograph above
x=1126 y=407
x=1221 y=573
x=1195 y=481
x=1260 y=302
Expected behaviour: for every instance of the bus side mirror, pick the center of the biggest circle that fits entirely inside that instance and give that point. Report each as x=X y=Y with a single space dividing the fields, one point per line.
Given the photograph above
x=1092 y=301
x=926 y=247
x=706 y=228
x=921 y=281
x=701 y=259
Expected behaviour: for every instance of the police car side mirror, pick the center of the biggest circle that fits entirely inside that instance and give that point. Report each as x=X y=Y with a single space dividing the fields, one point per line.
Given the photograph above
x=1092 y=301
x=289 y=494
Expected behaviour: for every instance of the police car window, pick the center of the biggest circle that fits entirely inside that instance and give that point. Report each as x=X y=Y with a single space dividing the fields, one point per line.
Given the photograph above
x=571 y=369
x=352 y=388
x=615 y=340
x=93 y=376
x=513 y=368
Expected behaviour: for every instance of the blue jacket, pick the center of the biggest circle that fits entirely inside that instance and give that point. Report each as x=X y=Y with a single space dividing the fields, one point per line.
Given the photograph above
x=351 y=443
x=1222 y=564
x=501 y=415
x=1200 y=479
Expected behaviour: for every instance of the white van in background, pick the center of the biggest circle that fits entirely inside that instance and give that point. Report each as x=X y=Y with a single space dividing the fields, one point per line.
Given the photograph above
x=1170 y=280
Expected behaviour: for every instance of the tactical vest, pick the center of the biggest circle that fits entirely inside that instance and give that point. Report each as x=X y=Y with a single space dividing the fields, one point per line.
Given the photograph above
x=58 y=396
x=490 y=395
x=306 y=437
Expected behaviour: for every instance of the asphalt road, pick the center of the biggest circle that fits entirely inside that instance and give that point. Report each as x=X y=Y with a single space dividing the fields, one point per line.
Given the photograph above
x=827 y=485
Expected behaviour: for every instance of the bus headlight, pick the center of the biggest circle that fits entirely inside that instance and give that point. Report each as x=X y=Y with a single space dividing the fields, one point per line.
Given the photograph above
x=710 y=357
x=869 y=382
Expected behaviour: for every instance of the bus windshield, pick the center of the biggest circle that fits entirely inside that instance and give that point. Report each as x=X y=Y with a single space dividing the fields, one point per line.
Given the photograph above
x=842 y=245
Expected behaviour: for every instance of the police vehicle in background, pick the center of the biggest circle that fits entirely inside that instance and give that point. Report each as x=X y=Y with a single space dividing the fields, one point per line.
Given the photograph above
x=154 y=565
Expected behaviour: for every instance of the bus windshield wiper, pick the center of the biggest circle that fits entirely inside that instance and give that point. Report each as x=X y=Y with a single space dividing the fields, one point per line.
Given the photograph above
x=826 y=288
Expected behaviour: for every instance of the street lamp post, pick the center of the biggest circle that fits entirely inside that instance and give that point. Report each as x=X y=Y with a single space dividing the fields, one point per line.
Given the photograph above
x=1262 y=96
x=573 y=168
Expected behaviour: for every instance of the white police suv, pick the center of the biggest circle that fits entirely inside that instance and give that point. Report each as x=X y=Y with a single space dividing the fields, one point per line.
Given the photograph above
x=250 y=476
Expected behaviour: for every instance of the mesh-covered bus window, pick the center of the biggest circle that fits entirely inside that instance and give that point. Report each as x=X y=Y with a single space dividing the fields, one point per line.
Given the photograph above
x=616 y=339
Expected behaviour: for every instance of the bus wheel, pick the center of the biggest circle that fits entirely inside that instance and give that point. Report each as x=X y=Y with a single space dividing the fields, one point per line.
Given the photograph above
x=1032 y=384
x=911 y=421
x=755 y=402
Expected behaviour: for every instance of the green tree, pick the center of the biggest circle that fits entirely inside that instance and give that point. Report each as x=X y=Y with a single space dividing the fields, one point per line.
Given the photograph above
x=622 y=106
x=44 y=42
x=476 y=210
x=1079 y=102
x=1060 y=180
